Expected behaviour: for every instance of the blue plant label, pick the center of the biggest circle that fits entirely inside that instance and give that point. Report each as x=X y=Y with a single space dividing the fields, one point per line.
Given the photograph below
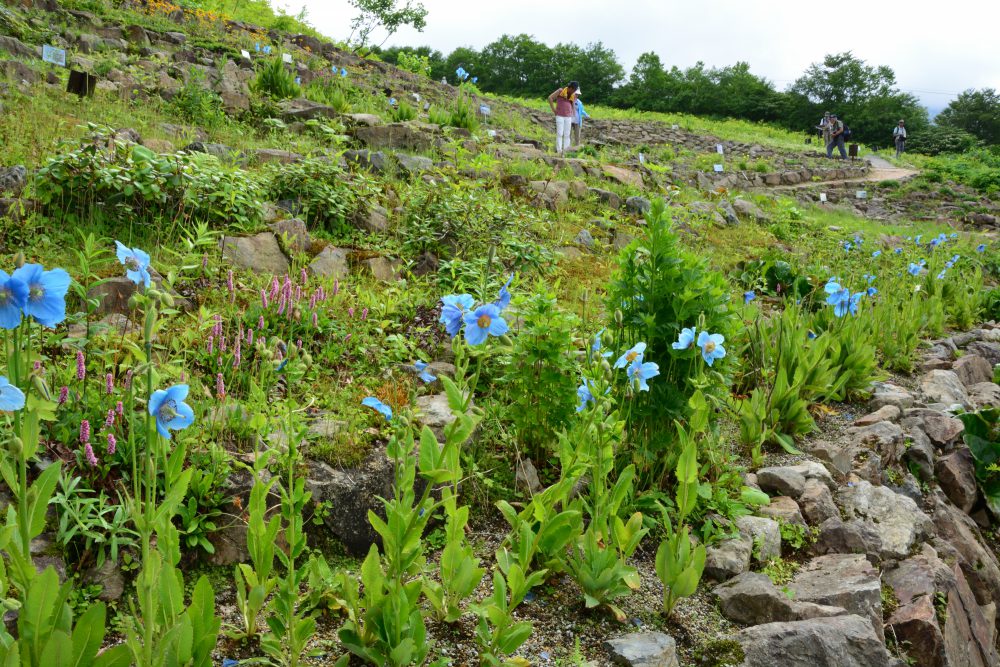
x=484 y=109
x=51 y=54
x=717 y=167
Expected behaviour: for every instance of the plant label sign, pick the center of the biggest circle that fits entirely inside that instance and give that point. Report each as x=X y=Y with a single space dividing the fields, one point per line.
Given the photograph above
x=642 y=158
x=717 y=167
x=862 y=194
x=51 y=54
x=287 y=57
x=245 y=54
x=719 y=149
x=822 y=197
x=484 y=109
x=675 y=126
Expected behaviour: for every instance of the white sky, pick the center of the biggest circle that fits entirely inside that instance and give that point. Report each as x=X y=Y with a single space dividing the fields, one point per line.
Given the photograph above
x=937 y=49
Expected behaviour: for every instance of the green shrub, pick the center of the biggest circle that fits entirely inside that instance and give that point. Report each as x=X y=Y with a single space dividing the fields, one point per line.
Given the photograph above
x=411 y=62
x=438 y=116
x=403 y=112
x=541 y=379
x=660 y=288
x=320 y=187
x=982 y=435
x=329 y=92
x=276 y=81
x=463 y=114
x=196 y=103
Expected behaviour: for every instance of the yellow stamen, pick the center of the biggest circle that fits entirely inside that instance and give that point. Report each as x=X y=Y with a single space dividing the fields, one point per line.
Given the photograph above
x=710 y=347
x=484 y=321
x=631 y=355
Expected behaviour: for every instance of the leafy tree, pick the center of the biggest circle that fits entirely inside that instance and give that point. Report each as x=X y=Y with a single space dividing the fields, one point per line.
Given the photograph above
x=864 y=96
x=649 y=87
x=938 y=139
x=518 y=65
x=389 y=15
x=465 y=57
x=595 y=66
x=975 y=111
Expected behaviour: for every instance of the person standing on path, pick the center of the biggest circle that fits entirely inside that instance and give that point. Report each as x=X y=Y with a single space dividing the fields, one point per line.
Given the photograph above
x=824 y=128
x=581 y=113
x=563 y=104
x=836 y=137
x=899 y=137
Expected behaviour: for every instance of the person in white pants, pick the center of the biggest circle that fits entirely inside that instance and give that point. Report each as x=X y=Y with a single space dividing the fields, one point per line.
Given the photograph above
x=563 y=104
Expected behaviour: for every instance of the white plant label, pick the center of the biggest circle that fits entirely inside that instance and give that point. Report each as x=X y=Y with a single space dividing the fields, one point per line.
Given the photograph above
x=718 y=167
x=822 y=196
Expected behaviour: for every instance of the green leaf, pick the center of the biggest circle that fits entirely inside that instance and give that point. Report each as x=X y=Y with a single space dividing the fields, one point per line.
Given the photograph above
x=87 y=636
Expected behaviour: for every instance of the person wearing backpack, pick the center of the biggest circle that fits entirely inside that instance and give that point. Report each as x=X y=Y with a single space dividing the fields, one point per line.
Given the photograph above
x=838 y=133
x=563 y=103
x=899 y=137
x=581 y=113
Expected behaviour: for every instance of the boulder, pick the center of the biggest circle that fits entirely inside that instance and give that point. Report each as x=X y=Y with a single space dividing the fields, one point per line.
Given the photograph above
x=607 y=197
x=728 y=212
x=303 y=109
x=643 y=649
x=414 y=164
x=375 y=161
x=972 y=369
x=397 y=136
x=557 y=191
x=707 y=211
x=291 y=234
x=979 y=564
x=637 y=205
x=968 y=634
x=13 y=180
x=330 y=261
x=956 y=474
x=816 y=503
x=384 y=269
x=621 y=239
x=920 y=452
x=984 y=395
x=915 y=625
x=885 y=438
x=886 y=413
x=848 y=581
x=941 y=386
x=988 y=350
x=109 y=577
x=221 y=151
x=230 y=544
x=749 y=210
x=276 y=156
x=584 y=238
x=526 y=477
x=433 y=411
x=784 y=510
x=765 y=535
x=373 y=219
x=942 y=429
x=260 y=253
x=366 y=119
x=352 y=493
x=840 y=641
x=16 y=47
x=897 y=520
x=752 y=598
x=728 y=558
x=889 y=394
x=137 y=35
x=784 y=480
x=623 y=176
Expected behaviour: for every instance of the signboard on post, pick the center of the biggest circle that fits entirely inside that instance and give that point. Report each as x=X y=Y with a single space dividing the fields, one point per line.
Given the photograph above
x=484 y=109
x=51 y=54
x=822 y=197
x=862 y=194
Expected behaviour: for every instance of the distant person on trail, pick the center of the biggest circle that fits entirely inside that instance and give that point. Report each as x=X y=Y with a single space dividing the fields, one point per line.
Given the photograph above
x=563 y=104
x=836 y=137
x=824 y=128
x=581 y=113
x=899 y=136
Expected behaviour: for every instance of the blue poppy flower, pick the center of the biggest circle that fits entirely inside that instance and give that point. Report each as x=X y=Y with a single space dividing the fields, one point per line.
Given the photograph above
x=595 y=347
x=170 y=410
x=453 y=308
x=13 y=296
x=811 y=335
x=917 y=238
x=847 y=246
x=869 y=277
x=858 y=240
x=632 y=355
x=898 y=250
x=876 y=253
x=955 y=258
x=585 y=395
x=684 y=338
x=423 y=373
x=267 y=50
x=298 y=81
x=136 y=263
x=343 y=72
x=935 y=242
x=11 y=398
x=392 y=101
x=229 y=662
x=46 y=300
x=949 y=264
x=475 y=79
x=914 y=269
x=940 y=276
x=711 y=346
x=640 y=372
x=871 y=291
x=503 y=298
x=378 y=406
x=953 y=235
x=483 y=322
x=749 y=296
x=832 y=287
x=981 y=247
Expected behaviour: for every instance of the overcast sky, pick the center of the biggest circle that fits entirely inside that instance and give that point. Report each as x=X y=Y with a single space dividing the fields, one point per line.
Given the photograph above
x=937 y=49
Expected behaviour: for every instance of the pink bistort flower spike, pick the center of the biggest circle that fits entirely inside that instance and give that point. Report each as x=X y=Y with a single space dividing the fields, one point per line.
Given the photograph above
x=88 y=453
x=81 y=367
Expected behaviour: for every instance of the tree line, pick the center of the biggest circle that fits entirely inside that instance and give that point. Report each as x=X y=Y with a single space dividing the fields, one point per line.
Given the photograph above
x=864 y=96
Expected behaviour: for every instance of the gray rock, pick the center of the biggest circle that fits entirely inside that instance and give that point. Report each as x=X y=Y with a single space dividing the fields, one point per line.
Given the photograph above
x=816 y=503
x=556 y=191
x=847 y=537
x=885 y=438
x=751 y=598
x=750 y=210
x=783 y=509
x=785 y=480
x=276 y=156
x=888 y=394
x=956 y=474
x=375 y=161
x=16 y=47
x=765 y=534
x=643 y=649
x=979 y=564
x=584 y=238
x=397 y=136
x=972 y=369
x=526 y=477
x=984 y=395
x=728 y=212
x=898 y=521
x=842 y=580
x=330 y=261
x=606 y=197
x=708 y=212
x=433 y=411
x=109 y=577
x=384 y=269
x=941 y=428
x=887 y=413
x=841 y=641
x=13 y=179
x=987 y=349
x=729 y=557
x=260 y=253
x=374 y=219
x=302 y=109
x=220 y=151
x=414 y=164
x=292 y=234
x=622 y=239
x=637 y=205
x=944 y=387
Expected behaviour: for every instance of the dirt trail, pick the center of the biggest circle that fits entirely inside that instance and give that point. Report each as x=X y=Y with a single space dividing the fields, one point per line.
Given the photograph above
x=882 y=170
